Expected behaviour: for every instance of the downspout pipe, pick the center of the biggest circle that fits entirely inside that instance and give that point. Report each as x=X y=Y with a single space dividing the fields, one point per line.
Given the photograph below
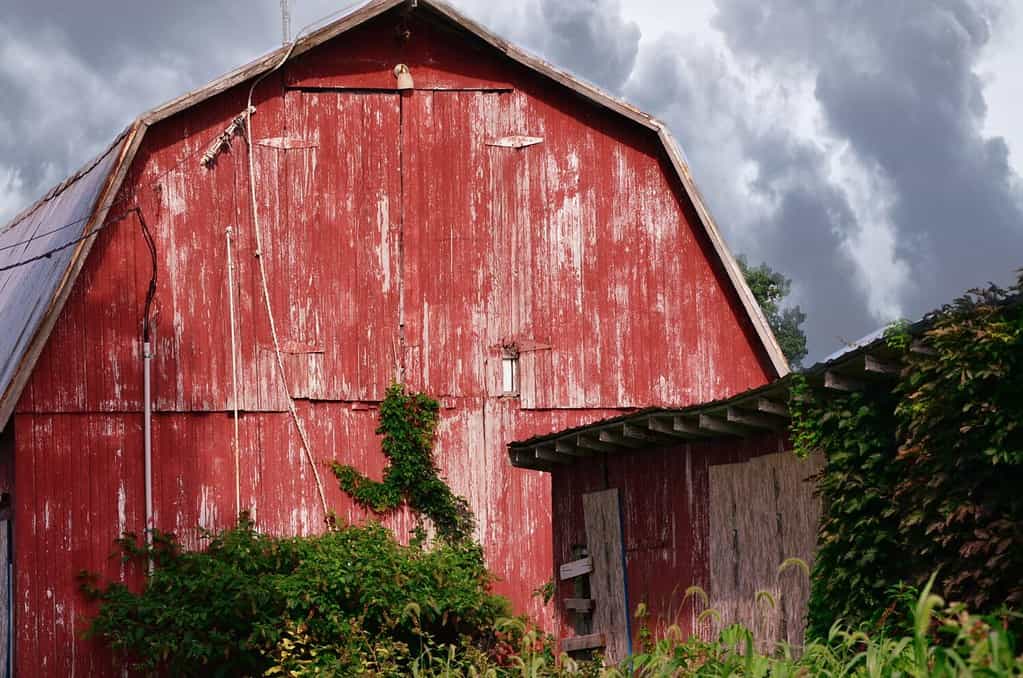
x=147 y=436
x=147 y=385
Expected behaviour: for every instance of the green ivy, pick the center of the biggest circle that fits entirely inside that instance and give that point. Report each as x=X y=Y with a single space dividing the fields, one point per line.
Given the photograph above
x=859 y=547
x=408 y=424
x=960 y=413
x=925 y=475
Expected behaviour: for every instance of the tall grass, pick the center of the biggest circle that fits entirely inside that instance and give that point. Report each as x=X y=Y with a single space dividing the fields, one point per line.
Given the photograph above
x=945 y=641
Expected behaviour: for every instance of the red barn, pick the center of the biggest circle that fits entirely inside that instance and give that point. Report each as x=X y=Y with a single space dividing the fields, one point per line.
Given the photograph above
x=407 y=198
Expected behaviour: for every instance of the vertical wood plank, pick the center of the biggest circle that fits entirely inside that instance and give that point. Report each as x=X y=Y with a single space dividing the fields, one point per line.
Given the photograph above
x=800 y=510
x=725 y=582
x=602 y=515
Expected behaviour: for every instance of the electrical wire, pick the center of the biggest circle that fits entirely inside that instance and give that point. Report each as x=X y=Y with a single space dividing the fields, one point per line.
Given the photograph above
x=56 y=229
x=37 y=236
x=151 y=291
x=49 y=253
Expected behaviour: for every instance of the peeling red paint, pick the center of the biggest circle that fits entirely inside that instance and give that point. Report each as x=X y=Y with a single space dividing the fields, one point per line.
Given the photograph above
x=396 y=240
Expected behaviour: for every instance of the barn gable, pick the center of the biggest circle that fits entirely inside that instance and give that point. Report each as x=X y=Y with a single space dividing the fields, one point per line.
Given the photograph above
x=476 y=76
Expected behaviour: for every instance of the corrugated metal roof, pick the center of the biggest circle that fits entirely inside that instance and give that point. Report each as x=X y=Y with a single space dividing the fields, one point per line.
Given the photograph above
x=53 y=225
x=865 y=340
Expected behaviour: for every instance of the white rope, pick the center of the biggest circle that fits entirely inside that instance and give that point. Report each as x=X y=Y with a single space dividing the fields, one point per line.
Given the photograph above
x=234 y=376
x=266 y=291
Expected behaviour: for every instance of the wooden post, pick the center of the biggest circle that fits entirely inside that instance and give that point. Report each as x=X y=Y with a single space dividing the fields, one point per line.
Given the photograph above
x=602 y=515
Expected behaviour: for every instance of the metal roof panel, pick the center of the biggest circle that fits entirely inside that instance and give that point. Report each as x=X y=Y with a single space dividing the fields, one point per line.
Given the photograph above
x=49 y=229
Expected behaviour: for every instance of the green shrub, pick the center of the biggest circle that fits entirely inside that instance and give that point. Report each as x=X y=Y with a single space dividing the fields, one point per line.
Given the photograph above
x=348 y=595
x=925 y=474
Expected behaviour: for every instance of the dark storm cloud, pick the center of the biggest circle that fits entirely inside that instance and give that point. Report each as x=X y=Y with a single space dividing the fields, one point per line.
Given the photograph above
x=898 y=82
x=107 y=33
x=805 y=237
x=803 y=234
x=590 y=38
x=73 y=74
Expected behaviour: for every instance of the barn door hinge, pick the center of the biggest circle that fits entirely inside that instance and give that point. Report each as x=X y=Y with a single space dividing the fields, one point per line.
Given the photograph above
x=285 y=143
x=516 y=141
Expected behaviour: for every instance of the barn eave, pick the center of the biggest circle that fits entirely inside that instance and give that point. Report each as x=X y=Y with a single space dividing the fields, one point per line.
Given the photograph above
x=869 y=362
x=58 y=226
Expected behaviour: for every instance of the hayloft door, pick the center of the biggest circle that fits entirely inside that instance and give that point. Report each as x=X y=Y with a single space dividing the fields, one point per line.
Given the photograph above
x=335 y=241
x=451 y=174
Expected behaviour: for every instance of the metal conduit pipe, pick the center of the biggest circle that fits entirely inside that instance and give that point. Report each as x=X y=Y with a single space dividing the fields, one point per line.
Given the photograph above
x=147 y=436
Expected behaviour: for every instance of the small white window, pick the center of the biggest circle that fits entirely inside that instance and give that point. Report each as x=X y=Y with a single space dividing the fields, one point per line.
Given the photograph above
x=510 y=374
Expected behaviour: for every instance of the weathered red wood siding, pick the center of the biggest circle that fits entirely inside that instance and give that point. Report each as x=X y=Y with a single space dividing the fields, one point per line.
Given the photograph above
x=396 y=242
x=664 y=495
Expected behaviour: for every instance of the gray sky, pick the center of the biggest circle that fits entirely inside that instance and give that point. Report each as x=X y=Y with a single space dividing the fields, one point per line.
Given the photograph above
x=868 y=150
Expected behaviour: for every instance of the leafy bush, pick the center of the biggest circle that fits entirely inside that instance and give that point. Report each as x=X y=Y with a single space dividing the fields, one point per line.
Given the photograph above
x=924 y=474
x=860 y=548
x=960 y=415
x=343 y=599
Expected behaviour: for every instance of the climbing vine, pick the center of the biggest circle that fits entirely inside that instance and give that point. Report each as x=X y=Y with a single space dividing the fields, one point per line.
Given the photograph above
x=859 y=546
x=925 y=475
x=408 y=424
x=960 y=414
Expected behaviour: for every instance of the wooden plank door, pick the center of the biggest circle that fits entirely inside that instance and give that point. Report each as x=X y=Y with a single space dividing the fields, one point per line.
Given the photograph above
x=447 y=173
x=331 y=242
x=606 y=607
x=603 y=518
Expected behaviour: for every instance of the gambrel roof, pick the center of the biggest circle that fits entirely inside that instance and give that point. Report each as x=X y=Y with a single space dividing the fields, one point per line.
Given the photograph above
x=61 y=224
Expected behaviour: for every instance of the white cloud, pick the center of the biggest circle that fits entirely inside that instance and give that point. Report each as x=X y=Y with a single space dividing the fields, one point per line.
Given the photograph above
x=881 y=275
x=12 y=193
x=67 y=111
x=1001 y=63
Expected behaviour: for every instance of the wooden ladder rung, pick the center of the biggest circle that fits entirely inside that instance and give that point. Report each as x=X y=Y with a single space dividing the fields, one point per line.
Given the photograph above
x=579 y=604
x=593 y=640
x=576 y=568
